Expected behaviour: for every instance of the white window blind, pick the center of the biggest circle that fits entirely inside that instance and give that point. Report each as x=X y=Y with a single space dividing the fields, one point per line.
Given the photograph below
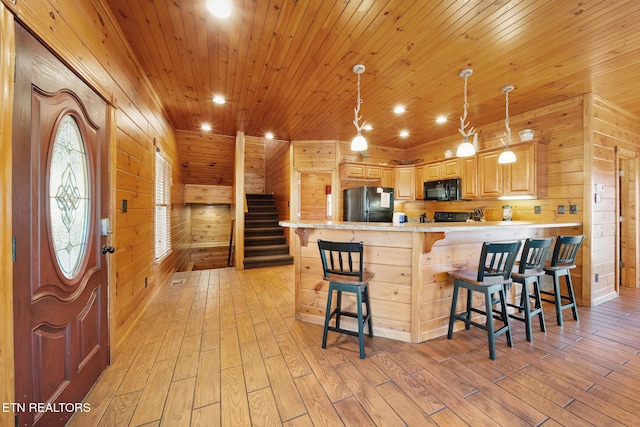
x=163 y=207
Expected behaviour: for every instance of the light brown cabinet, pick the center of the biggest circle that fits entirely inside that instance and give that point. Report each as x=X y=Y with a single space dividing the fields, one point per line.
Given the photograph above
x=405 y=183
x=451 y=168
x=432 y=171
x=388 y=177
x=490 y=175
x=514 y=179
x=469 y=175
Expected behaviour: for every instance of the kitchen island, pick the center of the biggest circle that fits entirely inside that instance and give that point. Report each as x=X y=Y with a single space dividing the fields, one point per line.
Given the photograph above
x=411 y=290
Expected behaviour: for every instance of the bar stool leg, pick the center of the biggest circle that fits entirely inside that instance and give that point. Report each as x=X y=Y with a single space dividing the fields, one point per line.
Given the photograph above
x=538 y=304
x=327 y=317
x=338 y=308
x=366 y=301
x=452 y=315
x=572 y=298
x=467 y=325
x=488 y=302
x=360 y=322
x=505 y=316
x=527 y=310
x=557 y=297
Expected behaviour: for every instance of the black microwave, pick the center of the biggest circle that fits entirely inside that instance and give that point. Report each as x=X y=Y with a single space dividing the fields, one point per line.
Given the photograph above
x=443 y=190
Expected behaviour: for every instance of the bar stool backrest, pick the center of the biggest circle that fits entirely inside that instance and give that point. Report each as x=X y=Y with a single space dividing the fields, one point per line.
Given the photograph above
x=497 y=259
x=341 y=258
x=534 y=254
x=566 y=250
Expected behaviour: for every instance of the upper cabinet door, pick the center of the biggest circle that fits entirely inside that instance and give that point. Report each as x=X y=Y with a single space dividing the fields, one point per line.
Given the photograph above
x=490 y=175
x=520 y=177
x=405 y=178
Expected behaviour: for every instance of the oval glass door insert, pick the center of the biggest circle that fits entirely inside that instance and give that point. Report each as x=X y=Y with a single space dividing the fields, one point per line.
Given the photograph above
x=69 y=197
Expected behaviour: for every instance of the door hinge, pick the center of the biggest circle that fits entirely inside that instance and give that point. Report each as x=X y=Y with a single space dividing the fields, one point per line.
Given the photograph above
x=621 y=264
x=620 y=218
x=13 y=248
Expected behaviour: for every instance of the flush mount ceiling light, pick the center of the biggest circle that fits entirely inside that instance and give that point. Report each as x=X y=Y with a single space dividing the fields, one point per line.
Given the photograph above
x=399 y=109
x=268 y=135
x=404 y=133
x=359 y=142
x=206 y=127
x=441 y=119
x=219 y=8
x=507 y=156
x=466 y=148
x=219 y=99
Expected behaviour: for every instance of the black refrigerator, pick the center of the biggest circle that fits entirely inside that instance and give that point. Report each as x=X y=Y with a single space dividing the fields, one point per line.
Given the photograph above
x=368 y=204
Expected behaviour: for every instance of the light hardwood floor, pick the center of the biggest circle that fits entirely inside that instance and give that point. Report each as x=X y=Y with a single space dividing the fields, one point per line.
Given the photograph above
x=224 y=349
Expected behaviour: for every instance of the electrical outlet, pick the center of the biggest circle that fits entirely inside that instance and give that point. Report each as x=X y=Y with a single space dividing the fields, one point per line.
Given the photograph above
x=537 y=209
x=573 y=209
x=597 y=277
x=561 y=210
x=124 y=206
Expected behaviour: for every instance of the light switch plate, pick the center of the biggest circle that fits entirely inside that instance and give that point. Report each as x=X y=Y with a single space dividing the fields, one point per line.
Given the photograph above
x=573 y=209
x=537 y=209
x=561 y=210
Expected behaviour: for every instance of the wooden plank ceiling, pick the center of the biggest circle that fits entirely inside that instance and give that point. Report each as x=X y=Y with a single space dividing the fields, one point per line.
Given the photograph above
x=286 y=65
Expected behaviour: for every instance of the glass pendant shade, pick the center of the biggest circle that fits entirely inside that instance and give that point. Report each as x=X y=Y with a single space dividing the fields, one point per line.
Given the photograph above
x=359 y=143
x=465 y=149
x=507 y=156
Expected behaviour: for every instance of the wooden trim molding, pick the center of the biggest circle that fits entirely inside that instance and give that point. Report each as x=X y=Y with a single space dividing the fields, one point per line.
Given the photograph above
x=7 y=64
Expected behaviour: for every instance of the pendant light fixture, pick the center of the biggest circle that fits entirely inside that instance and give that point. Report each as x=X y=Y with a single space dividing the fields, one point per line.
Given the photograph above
x=507 y=156
x=359 y=142
x=466 y=148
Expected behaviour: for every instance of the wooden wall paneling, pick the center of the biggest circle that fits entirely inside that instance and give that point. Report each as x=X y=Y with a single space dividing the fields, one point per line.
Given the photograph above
x=277 y=174
x=7 y=61
x=210 y=232
x=314 y=155
x=254 y=172
x=206 y=159
x=238 y=205
x=211 y=194
x=278 y=179
x=86 y=37
x=313 y=200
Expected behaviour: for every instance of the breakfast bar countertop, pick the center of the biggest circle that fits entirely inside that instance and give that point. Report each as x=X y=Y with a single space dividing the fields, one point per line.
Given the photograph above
x=425 y=227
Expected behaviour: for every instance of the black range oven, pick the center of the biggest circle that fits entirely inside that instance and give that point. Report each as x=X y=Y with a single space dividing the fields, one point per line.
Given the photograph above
x=452 y=216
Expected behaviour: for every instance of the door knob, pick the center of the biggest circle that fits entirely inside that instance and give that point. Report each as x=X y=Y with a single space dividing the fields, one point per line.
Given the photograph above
x=108 y=249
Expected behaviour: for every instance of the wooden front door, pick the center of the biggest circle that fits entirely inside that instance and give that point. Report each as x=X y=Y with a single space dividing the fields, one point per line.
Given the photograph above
x=60 y=275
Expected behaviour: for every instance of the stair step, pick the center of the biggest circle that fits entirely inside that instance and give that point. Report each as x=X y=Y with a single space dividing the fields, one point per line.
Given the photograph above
x=258 y=196
x=250 y=216
x=267 y=261
x=260 y=250
x=264 y=240
x=262 y=209
x=260 y=223
x=263 y=231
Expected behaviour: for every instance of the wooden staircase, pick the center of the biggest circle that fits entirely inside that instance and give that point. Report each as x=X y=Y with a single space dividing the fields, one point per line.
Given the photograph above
x=264 y=242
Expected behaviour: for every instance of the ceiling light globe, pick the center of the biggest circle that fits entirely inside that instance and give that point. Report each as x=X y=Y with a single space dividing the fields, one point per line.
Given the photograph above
x=219 y=8
x=507 y=156
x=465 y=149
x=359 y=143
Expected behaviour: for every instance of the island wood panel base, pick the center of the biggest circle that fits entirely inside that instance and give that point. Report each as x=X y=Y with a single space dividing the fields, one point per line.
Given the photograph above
x=386 y=254
x=411 y=290
x=460 y=251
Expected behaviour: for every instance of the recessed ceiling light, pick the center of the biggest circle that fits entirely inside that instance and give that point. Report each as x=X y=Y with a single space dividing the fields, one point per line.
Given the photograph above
x=441 y=119
x=399 y=109
x=268 y=135
x=367 y=127
x=205 y=127
x=404 y=133
x=219 y=99
x=219 y=8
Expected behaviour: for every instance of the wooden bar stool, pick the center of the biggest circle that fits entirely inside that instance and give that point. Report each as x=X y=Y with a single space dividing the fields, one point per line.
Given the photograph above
x=342 y=263
x=529 y=270
x=562 y=261
x=493 y=273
